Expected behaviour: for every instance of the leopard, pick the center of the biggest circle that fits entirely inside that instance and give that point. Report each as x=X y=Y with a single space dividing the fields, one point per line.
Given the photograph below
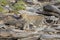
x=36 y=20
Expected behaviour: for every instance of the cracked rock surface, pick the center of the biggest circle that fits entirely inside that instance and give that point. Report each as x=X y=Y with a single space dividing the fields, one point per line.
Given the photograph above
x=29 y=19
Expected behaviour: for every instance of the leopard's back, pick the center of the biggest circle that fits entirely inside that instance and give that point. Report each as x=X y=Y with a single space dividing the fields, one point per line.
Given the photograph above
x=35 y=19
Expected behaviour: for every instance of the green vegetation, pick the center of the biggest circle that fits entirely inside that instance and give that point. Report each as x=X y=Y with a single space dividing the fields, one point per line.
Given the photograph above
x=19 y=5
x=1 y=9
x=3 y=2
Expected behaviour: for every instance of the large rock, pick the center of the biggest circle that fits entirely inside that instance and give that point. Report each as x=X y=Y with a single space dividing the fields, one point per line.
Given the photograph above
x=13 y=22
x=31 y=1
x=51 y=8
x=44 y=0
x=27 y=12
x=34 y=9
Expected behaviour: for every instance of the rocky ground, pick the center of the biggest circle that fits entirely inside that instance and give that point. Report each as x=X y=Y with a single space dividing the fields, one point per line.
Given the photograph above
x=29 y=19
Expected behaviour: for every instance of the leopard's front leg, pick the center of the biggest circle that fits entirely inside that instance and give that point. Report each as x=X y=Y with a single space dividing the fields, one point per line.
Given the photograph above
x=26 y=26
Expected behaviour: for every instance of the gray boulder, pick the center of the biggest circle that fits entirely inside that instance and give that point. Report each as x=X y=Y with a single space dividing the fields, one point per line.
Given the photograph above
x=51 y=8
